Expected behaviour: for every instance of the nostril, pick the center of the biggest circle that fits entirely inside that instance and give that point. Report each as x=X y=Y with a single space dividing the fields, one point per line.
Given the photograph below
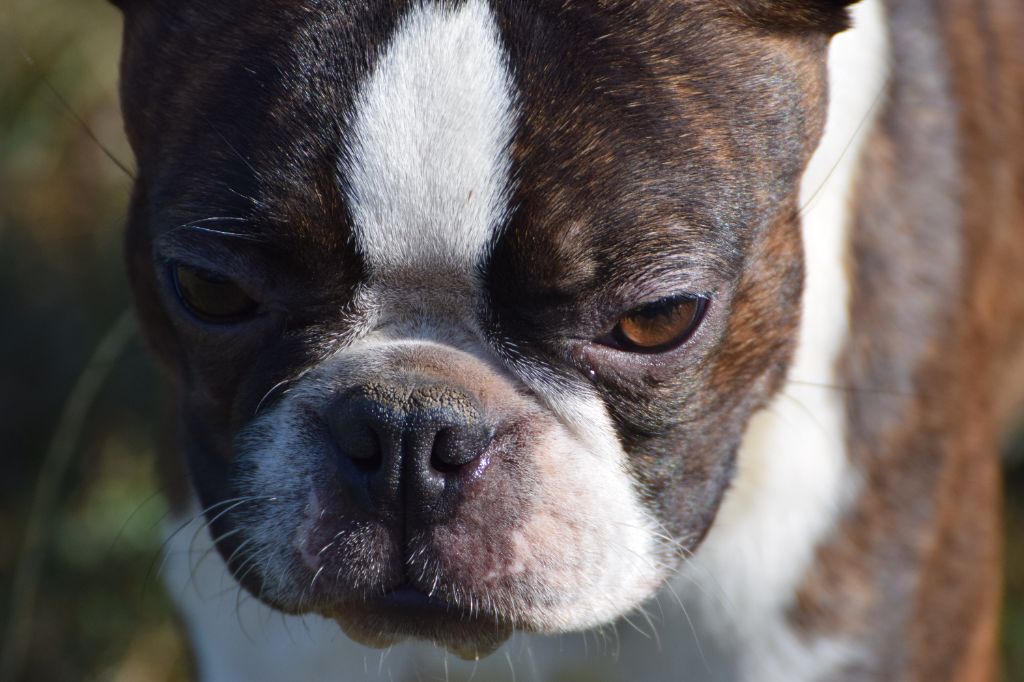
x=408 y=449
x=454 y=447
x=445 y=456
x=366 y=432
x=363 y=447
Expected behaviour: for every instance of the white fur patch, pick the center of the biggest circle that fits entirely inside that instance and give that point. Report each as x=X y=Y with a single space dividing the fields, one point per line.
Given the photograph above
x=794 y=476
x=428 y=169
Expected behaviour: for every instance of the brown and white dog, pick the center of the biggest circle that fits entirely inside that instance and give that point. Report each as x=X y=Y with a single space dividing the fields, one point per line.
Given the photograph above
x=492 y=321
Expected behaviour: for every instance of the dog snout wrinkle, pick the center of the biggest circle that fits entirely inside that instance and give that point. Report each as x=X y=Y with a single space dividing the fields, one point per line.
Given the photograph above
x=407 y=449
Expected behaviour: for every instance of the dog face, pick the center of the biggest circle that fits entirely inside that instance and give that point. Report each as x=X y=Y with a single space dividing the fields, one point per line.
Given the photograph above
x=468 y=303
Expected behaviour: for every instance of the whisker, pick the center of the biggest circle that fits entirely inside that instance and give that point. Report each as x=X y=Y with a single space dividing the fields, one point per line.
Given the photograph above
x=240 y=599
x=636 y=627
x=252 y=200
x=206 y=553
x=161 y=554
x=237 y=502
x=255 y=173
x=511 y=666
x=317 y=575
x=124 y=525
x=198 y=226
x=870 y=390
x=280 y=384
x=693 y=628
x=218 y=219
x=806 y=412
x=679 y=546
x=868 y=116
x=78 y=119
x=234 y=553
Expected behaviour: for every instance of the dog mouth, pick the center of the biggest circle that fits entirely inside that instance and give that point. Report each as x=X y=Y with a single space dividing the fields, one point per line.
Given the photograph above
x=408 y=612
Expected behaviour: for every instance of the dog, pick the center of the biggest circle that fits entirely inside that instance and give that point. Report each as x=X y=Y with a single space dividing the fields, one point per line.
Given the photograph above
x=589 y=339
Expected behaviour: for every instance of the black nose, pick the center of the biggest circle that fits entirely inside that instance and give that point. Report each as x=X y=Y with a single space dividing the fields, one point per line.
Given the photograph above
x=408 y=449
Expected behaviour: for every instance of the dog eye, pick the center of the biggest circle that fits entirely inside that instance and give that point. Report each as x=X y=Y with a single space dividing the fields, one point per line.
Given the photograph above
x=210 y=297
x=657 y=327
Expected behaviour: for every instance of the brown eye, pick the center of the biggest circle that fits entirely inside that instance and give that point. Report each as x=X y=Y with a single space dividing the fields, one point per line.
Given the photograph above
x=210 y=297
x=660 y=326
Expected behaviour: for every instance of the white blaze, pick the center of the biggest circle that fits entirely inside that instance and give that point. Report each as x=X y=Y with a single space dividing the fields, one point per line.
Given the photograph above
x=428 y=168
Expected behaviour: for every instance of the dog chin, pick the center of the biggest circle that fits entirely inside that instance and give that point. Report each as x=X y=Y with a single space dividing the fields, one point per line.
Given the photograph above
x=403 y=614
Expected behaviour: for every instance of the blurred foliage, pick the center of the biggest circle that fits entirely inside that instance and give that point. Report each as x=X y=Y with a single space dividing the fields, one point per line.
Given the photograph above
x=1013 y=607
x=100 y=612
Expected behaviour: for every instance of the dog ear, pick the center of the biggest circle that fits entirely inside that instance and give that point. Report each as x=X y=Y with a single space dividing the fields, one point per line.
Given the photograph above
x=829 y=16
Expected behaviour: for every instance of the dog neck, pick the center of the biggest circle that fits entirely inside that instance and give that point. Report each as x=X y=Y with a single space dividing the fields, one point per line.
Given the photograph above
x=794 y=472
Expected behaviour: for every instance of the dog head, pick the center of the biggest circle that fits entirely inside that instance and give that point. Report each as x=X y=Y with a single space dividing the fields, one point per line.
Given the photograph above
x=468 y=303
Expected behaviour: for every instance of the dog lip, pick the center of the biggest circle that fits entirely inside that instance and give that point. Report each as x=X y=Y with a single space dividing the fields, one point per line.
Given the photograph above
x=406 y=605
x=408 y=597
x=407 y=611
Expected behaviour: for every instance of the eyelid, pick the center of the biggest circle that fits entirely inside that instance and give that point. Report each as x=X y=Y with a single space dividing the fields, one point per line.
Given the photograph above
x=211 y=263
x=205 y=253
x=611 y=338
x=207 y=273
x=637 y=308
x=205 y=316
x=209 y=258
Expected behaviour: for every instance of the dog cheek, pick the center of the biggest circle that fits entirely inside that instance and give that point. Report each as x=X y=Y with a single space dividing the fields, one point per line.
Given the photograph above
x=589 y=538
x=765 y=314
x=540 y=537
x=277 y=468
x=479 y=547
x=489 y=545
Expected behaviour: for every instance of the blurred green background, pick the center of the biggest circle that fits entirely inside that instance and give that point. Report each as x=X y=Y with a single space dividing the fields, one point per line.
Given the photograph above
x=99 y=612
